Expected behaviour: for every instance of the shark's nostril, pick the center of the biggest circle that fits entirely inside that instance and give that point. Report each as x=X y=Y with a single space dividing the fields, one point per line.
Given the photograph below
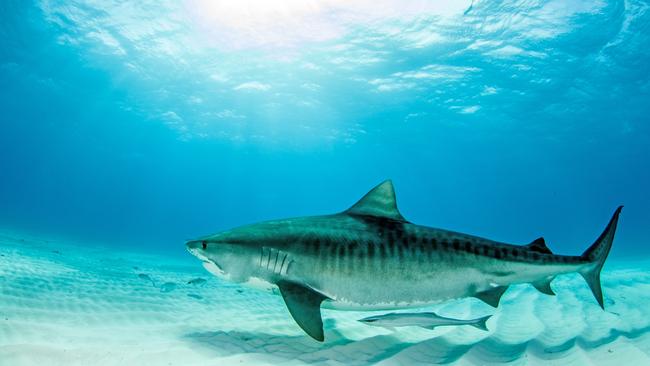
x=204 y=244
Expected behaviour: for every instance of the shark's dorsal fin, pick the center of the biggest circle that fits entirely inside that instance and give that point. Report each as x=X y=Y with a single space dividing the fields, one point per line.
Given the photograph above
x=539 y=245
x=379 y=202
x=304 y=305
x=492 y=296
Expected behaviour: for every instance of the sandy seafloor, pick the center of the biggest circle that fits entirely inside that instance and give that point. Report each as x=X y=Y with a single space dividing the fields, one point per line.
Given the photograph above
x=67 y=304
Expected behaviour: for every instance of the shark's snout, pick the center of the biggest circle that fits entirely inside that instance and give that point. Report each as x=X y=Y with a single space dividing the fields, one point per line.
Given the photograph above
x=197 y=248
x=209 y=252
x=196 y=244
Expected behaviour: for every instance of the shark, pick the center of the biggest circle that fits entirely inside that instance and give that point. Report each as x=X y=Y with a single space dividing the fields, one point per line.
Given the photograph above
x=369 y=257
x=427 y=320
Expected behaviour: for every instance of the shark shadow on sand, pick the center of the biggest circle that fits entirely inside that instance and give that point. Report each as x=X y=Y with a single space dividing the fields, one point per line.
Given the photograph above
x=438 y=350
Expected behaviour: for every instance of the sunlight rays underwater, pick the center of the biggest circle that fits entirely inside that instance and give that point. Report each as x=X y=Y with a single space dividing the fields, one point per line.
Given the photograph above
x=255 y=66
x=144 y=123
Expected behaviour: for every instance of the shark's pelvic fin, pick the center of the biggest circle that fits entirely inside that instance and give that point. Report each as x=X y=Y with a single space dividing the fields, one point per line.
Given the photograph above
x=596 y=254
x=304 y=305
x=544 y=286
x=539 y=245
x=379 y=202
x=491 y=296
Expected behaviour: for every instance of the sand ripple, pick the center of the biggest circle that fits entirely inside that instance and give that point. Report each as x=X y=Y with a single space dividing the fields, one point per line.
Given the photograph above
x=64 y=304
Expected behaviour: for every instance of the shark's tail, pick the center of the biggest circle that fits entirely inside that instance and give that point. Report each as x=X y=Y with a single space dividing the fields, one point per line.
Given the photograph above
x=596 y=255
x=481 y=323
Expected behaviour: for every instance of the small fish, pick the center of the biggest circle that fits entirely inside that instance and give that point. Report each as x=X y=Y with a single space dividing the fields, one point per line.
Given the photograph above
x=196 y=281
x=425 y=320
x=167 y=287
x=146 y=277
x=195 y=296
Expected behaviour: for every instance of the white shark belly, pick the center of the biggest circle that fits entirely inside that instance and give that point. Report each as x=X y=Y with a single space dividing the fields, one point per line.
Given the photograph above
x=395 y=292
x=354 y=306
x=442 y=282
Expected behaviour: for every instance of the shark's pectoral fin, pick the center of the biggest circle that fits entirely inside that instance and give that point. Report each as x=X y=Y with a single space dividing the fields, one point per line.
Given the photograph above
x=544 y=286
x=304 y=305
x=491 y=296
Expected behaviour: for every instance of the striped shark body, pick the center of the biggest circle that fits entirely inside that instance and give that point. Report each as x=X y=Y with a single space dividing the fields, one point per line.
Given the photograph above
x=370 y=258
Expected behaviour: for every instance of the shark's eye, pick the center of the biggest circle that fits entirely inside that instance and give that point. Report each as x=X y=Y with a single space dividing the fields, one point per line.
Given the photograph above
x=204 y=244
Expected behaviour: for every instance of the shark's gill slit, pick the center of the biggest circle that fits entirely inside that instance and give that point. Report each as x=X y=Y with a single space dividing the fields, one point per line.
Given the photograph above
x=286 y=271
x=277 y=254
x=284 y=258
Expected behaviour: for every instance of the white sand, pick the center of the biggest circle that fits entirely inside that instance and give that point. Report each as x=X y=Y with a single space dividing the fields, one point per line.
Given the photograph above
x=87 y=306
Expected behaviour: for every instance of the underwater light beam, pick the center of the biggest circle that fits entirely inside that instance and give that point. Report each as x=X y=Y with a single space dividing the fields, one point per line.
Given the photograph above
x=278 y=23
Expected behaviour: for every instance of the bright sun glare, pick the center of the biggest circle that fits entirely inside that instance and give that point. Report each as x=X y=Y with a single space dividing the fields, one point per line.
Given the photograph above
x=278 y=23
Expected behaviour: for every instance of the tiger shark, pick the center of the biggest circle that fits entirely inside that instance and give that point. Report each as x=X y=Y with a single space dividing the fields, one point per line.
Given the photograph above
x=369 y=257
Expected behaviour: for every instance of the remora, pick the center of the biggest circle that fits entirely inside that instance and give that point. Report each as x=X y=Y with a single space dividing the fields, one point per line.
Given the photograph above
x=369 y=258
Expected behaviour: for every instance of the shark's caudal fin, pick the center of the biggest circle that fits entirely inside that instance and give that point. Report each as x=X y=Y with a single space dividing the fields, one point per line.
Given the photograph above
x=481 y=323
x=596 y=254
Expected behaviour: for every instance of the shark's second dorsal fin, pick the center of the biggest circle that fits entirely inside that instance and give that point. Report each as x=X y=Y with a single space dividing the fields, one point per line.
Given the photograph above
x=539 y=245
x=379 y=202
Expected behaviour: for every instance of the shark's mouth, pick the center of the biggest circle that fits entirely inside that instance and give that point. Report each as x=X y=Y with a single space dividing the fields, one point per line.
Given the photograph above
x=214 y=268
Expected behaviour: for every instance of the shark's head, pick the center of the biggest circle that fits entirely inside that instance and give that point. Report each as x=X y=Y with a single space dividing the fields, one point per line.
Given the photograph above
x=392 y=320
x=380 y=320
x=234 y=255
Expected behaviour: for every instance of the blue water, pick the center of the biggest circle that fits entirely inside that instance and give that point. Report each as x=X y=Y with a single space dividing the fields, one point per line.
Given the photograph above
x=146 y=124
x=130 y=127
